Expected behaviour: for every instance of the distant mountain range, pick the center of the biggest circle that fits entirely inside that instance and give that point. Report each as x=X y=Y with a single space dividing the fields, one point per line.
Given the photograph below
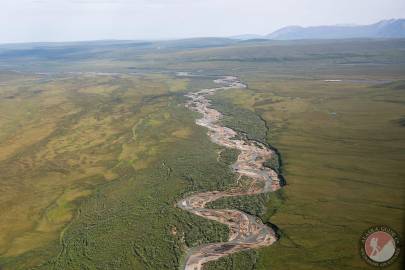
x=394 y=28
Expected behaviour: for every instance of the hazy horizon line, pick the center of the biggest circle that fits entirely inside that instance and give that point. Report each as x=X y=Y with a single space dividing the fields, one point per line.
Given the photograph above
x=230 y=36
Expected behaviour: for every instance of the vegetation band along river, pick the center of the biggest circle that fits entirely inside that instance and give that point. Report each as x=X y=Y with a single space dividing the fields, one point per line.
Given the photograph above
x=246 y=231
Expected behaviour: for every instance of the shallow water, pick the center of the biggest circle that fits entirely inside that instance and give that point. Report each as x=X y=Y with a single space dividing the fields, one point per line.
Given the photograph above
x=246 y=231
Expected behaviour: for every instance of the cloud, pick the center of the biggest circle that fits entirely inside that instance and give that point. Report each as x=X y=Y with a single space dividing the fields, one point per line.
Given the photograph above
x=57 y=20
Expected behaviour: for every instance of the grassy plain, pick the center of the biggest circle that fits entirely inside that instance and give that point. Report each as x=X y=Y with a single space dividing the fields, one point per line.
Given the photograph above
x=92 y=164
x=342 y=145
x=99 y=188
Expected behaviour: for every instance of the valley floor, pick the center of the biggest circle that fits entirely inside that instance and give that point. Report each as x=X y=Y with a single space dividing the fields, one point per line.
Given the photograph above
x=97 y=148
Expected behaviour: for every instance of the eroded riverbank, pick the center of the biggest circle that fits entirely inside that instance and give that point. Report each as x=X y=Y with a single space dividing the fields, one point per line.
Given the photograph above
x=246 y=231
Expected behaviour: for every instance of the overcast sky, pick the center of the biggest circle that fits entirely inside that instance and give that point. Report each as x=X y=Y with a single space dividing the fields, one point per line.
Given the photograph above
x=67 y=20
